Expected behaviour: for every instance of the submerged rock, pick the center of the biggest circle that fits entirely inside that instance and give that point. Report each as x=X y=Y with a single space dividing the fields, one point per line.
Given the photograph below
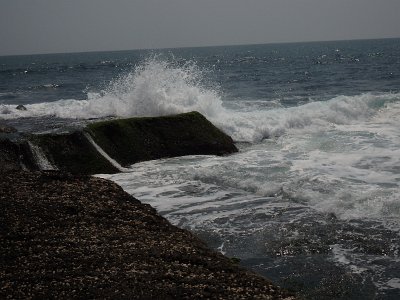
x=21 y=107
x=68 y=237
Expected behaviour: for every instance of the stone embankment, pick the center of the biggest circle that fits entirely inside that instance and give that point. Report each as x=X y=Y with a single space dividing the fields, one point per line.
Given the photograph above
x=101 y=147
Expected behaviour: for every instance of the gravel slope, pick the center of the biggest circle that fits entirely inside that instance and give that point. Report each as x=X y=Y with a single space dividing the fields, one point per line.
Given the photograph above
x=65 y=236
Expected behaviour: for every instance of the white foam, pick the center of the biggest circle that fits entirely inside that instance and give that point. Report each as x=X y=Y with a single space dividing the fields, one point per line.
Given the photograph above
x=340 y=156
x=342 y=110
x=345 y=257
x=351 y=171
x=105 y=155
x=155 y=87
x=221 y=249
x=394 y=283
x=40 y=158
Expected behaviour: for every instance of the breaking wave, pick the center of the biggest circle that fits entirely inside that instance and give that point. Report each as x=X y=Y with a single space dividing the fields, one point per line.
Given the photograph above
x=159 y=87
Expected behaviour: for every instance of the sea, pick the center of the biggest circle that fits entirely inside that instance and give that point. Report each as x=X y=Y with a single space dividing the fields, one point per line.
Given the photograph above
x=312 y=198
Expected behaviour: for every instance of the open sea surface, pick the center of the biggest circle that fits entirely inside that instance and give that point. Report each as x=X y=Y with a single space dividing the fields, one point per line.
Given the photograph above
x=311 y=201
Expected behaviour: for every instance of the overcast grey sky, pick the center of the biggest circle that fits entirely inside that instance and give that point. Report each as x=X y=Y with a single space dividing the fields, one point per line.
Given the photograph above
x=46 y=26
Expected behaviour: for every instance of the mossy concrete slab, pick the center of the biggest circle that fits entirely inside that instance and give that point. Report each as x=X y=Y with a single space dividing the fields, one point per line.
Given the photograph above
x=126 y=141
x=72 y=152
x=138 y=139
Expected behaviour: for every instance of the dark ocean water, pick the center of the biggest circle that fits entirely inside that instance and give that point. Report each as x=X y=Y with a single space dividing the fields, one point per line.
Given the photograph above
x=312 y=198
x=292 y=73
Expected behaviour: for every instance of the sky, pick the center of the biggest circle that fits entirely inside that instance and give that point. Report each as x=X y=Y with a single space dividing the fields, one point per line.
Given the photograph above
x=57 y=26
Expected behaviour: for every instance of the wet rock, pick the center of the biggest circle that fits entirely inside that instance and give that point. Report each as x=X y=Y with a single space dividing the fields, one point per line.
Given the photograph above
x=139 y=139
x=7 y=129
x=9 y=156
x=66 y=236
x=125 y=140
x=21 y=107
x=72 y=152
x=15 y=156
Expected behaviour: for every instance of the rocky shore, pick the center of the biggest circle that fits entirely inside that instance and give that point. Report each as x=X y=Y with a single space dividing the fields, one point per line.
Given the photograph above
x=73 y=236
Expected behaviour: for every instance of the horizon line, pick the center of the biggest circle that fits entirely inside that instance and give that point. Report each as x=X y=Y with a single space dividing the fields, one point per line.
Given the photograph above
x=206 y=46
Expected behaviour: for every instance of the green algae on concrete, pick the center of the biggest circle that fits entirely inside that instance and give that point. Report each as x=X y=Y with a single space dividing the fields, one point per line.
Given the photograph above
x=72 y=152
x=138 y=139
x=125 y=140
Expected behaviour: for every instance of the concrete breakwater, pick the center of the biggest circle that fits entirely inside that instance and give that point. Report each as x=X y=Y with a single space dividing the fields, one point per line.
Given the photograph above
x=70 y=236
x=109 y=146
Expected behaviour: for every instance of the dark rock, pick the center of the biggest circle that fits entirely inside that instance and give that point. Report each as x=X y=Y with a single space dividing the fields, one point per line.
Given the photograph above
x=127 y=141
x=7 y=129
x=21 y=107
x=9 y=156
x=72 y=152
x=16 y=156
x=78 y=237
x=138 y=139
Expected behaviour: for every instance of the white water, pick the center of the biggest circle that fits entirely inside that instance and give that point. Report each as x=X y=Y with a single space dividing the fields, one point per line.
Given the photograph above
x=254 y=204
x=105 y=155
x=40 y=158
x=339 y=156
x=352 y=173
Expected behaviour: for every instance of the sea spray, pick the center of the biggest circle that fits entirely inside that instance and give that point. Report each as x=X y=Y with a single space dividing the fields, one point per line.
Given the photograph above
x=155 y=87
x=158 y=87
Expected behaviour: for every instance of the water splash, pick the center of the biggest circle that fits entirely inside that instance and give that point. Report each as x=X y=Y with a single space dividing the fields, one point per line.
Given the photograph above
x=159 y=87
x=155 y=87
